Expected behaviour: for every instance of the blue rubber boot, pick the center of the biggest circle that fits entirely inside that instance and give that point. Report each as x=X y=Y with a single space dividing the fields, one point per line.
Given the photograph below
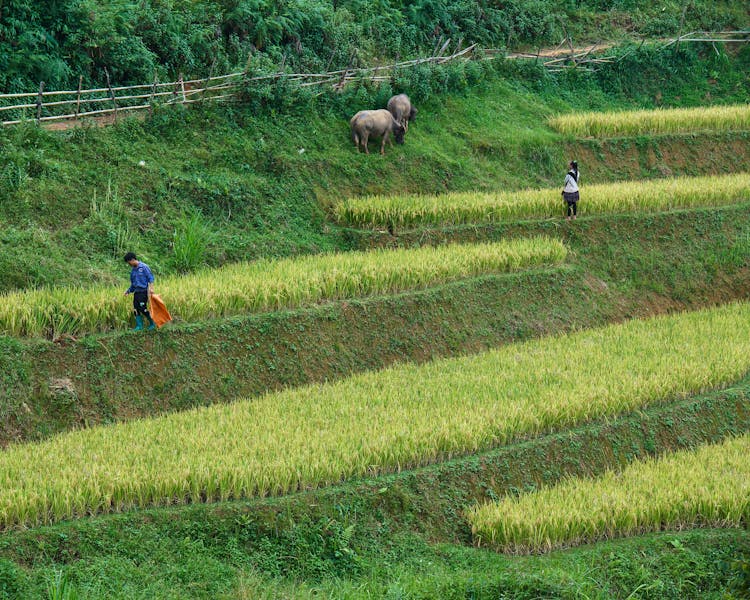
x=152 y=325
x=138 y=323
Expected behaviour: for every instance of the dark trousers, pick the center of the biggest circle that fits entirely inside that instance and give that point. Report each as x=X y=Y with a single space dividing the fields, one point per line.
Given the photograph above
x=571 y=198
x=140 y=304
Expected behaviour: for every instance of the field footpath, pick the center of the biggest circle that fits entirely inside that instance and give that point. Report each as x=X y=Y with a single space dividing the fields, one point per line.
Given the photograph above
x=620 y=267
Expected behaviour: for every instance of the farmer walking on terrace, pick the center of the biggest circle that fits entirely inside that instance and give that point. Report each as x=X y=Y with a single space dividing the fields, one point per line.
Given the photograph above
x=570 y=190
x=141 y=286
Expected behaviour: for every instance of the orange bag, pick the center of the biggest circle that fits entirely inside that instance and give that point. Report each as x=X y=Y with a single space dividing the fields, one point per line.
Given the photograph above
x=159 y=312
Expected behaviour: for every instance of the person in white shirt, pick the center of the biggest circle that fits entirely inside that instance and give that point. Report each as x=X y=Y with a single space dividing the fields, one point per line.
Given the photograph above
x=570 y=190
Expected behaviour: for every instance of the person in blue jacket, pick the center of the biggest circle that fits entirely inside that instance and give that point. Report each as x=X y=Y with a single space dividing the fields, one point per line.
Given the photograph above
x=141 y=286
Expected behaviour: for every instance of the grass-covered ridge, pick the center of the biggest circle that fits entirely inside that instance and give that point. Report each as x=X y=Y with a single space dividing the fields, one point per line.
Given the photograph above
x=488 y=207
x=642 y=122
x=403 y=416
x=268 y=285
x=709 y=486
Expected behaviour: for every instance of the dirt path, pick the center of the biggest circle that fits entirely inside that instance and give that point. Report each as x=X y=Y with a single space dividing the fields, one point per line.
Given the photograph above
x=563 y=50
x=100 y=121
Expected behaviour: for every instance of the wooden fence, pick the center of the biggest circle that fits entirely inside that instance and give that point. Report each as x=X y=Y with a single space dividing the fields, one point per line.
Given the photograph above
x=45 y=106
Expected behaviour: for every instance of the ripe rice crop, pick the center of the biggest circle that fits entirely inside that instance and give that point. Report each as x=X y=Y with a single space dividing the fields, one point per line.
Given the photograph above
x=640 y=122
x=707 y=486
x=271 y=285
x=482 y=207
x=400 y=417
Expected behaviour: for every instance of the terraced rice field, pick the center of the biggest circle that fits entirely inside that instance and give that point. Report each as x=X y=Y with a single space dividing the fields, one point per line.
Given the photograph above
x=375 y=422
x=268 y=285
x=708 y=486
x=478 y=207
x=659 y=121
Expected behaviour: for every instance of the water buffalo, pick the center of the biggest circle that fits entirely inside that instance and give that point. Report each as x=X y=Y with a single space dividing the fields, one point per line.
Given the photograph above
x=402 y=110
x=376 y=123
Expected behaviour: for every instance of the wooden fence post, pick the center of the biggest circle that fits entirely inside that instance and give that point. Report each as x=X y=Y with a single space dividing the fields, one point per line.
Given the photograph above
x=111 y=92
x=182 y=88
x=342 y=82
x=282 y=64
x=39 y=102
x=247 y=64
x=78 y=97
x=437 y=45
x=208 y=79
x=151 y=97
x=394 y=71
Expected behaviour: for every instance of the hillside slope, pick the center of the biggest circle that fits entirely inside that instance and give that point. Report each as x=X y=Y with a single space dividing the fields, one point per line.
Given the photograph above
x=255 y=179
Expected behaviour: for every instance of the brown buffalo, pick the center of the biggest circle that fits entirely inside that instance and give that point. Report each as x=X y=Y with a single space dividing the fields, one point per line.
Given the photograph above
x=402 y=110
x=375 y=123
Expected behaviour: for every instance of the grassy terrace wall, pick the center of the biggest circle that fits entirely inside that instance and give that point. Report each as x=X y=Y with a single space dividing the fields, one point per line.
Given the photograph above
x=619 y=267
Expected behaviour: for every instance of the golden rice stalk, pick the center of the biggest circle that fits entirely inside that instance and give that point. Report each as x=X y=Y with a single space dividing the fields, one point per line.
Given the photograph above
x=480 y=207
x=268 y=285
x=658 y=121
x=707 y=486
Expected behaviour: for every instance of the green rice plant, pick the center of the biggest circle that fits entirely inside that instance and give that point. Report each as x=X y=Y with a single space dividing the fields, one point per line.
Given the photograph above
x=642 y=122
x=707 y=486
x=481 y=207
x=271 y=285
x=371 y=423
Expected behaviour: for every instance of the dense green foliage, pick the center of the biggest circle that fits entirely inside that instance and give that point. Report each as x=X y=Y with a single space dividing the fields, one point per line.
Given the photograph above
x=56 y=42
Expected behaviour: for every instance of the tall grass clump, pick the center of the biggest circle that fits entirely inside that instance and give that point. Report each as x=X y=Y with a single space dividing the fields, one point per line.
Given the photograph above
x=481 y=207
x=400 y=417
x=642 y=122
x=192 y=236
x=271 y=285
x=707 y=486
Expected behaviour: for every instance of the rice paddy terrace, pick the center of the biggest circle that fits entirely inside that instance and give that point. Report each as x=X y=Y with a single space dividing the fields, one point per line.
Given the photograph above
x=478 y=399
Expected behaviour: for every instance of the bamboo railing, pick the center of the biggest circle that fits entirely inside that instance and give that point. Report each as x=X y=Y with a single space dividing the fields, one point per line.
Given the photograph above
x=63 y=105
x=44 y=106
x=565 y=56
